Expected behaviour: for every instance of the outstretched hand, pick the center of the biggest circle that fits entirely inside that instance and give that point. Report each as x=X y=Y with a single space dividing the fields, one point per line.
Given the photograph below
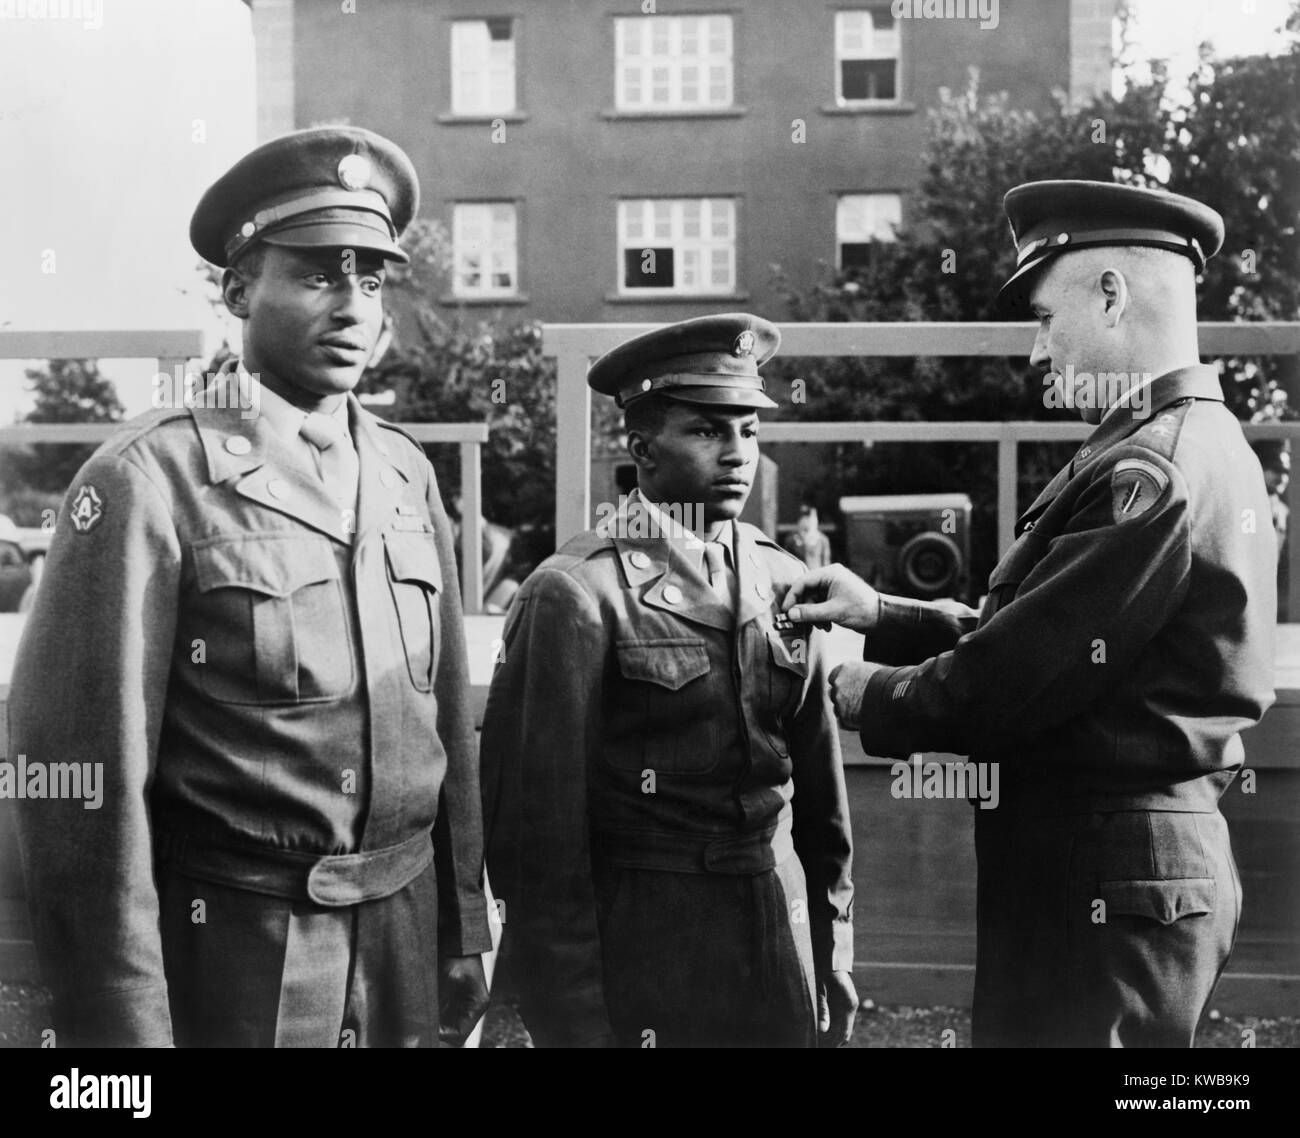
x=833 y=595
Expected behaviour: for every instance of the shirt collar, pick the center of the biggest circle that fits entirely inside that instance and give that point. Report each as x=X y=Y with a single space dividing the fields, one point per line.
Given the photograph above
x=673 y=530
x=1135 y=393
x=286 y=419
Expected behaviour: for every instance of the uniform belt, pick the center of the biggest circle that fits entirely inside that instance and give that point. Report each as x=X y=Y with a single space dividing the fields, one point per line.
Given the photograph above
x=676 y=852
x=333 y=880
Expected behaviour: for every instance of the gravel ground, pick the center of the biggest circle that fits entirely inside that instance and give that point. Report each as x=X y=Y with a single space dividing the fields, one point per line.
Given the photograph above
x=23 y=1015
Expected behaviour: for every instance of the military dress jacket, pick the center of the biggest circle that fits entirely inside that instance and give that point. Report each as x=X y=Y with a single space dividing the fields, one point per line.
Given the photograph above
x=267 y=680
x=1127 y=638
x=635 y=721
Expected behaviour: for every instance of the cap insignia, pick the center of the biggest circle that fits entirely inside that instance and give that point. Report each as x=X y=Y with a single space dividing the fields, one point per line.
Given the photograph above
x=744 y=345
x=354 y=172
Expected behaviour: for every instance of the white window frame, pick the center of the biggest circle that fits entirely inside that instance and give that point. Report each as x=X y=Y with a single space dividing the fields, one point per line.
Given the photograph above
x=690 y=233
x=666 y=64
x=480 y=84
x=883 y=219
x=872 y=50
x=470 y=217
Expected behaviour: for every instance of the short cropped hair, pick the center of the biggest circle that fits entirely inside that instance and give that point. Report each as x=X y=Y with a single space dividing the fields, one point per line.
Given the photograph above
x=647 y=414
x=251 y=261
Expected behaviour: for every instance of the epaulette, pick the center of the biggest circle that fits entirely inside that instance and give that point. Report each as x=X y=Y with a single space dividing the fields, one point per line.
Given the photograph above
x=760 y=538
x=1161 y=433
x=139 y=426
x=399 y=429
x=583 y=546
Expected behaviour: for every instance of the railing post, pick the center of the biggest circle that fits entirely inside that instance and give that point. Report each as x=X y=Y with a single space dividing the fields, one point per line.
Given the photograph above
x=471 y=529
x=1007 y=499
x=167 y=366
x=1291 y=610
x=572 y=445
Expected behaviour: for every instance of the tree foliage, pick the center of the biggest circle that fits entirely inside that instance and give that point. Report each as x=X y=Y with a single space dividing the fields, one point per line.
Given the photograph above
x=456 y=369
x=1235 y=145
x=64 y=391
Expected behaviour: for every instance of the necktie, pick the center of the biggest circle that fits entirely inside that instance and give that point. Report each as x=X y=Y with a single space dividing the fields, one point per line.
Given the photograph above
x=336 y=461
x=715 y=558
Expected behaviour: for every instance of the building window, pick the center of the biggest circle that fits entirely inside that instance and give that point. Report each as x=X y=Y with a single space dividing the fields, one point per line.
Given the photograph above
x=683 y=247
x=861 y=219
x=866 y=56
x=673 y=63
x=485 y=249
x=483 y=67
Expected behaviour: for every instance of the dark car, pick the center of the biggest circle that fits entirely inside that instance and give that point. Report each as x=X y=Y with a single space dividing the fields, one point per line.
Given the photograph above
x=16 y=576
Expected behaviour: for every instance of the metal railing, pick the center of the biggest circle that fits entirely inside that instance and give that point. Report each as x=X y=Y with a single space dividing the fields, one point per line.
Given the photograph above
x=173 y=349
x=574 y=345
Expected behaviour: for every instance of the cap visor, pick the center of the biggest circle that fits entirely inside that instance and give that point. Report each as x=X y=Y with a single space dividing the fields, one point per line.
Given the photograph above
x=338 y=235
x=720 y=396
x=1013 y=297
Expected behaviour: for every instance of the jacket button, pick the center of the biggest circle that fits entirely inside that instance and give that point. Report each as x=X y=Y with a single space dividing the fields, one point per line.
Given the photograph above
x=277 y=488
x=673 y=595
x=640 y=560
x=238 y=444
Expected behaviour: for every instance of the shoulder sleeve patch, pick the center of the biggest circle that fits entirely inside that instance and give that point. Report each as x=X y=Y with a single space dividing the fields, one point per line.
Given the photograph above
x=1135 y=486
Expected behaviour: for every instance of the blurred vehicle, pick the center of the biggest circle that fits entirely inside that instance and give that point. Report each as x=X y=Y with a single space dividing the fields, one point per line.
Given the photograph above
x=22 y=558
x=15 y=573
x=911 y=545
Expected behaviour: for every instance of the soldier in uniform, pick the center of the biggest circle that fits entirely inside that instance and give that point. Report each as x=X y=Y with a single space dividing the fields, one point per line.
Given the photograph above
x=250 y=618
x=1126 y=641
x=664 y=796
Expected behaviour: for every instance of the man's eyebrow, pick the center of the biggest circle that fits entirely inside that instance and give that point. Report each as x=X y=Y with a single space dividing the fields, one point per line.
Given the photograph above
x=721 y=421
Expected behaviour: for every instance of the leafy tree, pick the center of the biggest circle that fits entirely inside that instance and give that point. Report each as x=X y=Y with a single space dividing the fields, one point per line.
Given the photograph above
x=454 y=369
x=1235 y=146
x=65 y=391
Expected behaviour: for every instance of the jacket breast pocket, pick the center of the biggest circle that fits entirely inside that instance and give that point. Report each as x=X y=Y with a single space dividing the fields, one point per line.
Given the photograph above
x=663 y=706
x=415 y=578
x=272 y=614
x=787 y=676
x=788 y=673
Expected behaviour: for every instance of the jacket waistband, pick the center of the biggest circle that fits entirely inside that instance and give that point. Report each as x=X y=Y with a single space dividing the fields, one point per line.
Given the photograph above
x=333 y=881
x=675 y=852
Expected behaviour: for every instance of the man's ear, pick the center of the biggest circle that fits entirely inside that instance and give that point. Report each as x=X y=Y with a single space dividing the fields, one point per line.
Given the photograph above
x=641 y=448
x=234 y=291
x=1114 y=288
